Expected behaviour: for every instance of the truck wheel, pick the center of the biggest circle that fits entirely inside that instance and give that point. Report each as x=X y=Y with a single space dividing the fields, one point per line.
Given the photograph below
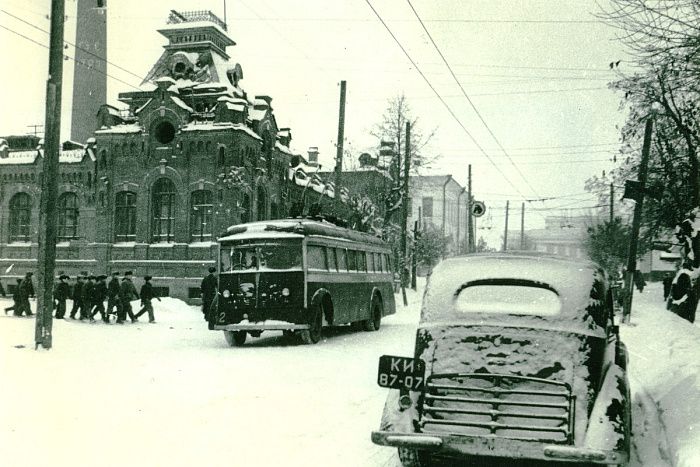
x=413 y=458
x=313 y=334
x=235 y=338
x=375 y=320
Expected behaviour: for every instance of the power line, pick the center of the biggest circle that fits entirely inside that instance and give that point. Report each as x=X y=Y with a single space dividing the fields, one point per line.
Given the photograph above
x=73 y=45
x=68 y=57
x=471 y=103
x=440 y=97
x=433 y=20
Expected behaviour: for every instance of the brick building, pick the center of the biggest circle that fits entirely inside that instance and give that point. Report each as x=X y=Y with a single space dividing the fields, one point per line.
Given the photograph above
x=189 y=154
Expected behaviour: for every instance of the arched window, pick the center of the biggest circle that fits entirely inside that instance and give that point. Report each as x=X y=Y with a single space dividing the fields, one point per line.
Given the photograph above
x=261 y=204
x=201 y=209
x=20 y=216
x=274 y=211
x=67 y=210
x=125 y=217
x=163 y=210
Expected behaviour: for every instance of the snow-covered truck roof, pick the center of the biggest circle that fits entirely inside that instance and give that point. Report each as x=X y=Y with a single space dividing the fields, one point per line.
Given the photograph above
x=579 y=287
x=288 y=228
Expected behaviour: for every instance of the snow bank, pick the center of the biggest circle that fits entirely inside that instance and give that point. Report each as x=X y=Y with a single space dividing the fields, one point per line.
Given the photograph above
x=664 y=364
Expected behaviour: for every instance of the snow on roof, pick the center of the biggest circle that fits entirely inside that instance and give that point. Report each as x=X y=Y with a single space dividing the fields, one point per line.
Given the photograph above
x=120 y=129
x=208 y=126
x=20 y=157
x=235 y=107
x=180 y=103
x=193 y=25
x=257 y=114
x=282 y=148
x=572 y=281
x=143 y=106
x=113 y=110
x=300 y=227
x=164 y=79
x=71 y=157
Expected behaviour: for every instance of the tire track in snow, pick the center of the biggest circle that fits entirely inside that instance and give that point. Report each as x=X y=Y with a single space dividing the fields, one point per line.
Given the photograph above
x=649 y=439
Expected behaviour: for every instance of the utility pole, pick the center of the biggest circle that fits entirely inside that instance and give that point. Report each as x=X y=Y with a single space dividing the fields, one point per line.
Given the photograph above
x=404 y=213
x=522 y=226
x=612 y=203
x=505 y=233
x=414 y=261
x=636 y=221
x=46 y=259
x=470 y=238
x=339 y=148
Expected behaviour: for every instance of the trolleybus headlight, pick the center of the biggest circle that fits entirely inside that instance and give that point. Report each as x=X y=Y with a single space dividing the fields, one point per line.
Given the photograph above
x=405 y=402
x=226 y=293
x=285 y=292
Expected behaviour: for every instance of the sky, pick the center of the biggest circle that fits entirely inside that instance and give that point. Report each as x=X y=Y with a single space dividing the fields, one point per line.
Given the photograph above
x=533 y=115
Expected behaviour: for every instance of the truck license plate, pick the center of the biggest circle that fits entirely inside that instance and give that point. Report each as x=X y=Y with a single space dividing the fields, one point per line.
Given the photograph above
x=401 y=373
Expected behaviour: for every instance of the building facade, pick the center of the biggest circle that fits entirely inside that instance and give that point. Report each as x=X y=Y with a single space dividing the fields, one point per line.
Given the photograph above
x=187 y=156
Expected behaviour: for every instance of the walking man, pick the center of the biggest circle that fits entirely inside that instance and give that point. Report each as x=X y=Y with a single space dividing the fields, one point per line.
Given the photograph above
x=146 y=297
x=16 y=306
x=127 y=293
x=208 y=287
x=77 y=295
x=113 y=295
x=26 y=290
x=87 y=299
x=99 y=294
x=61 y=295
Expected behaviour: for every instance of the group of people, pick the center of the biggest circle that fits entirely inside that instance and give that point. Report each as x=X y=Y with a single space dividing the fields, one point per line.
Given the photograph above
x=89 y=293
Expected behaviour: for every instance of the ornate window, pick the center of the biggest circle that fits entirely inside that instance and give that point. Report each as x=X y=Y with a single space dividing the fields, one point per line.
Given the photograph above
x=67 y=209
x=125 y=217
x=163 y=210
x=20 y=217
x=201 y=208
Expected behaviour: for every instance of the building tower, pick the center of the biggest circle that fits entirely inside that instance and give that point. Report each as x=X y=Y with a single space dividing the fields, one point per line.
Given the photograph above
x=90 y=76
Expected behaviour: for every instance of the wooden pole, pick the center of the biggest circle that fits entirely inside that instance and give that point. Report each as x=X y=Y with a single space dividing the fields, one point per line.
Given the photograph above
x=404 y=212
x=522 y=226
x=612 y=203
x=414 y=261
x=339 y=148
x=505 y=232
x=636 y=221
x=46 y=258
x=470 y=241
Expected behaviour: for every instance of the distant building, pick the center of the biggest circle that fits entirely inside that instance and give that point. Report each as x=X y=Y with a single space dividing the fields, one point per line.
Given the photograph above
x=562 y=235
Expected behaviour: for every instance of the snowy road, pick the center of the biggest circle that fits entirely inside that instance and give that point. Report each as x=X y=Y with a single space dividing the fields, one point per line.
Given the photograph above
x=173 y=394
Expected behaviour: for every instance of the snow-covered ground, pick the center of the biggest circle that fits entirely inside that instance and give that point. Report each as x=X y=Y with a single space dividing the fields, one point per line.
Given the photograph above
x=174 y=394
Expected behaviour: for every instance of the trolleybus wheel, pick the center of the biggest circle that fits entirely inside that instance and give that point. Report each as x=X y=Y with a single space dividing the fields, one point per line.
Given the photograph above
x=235 y=338
x=375 y=320
x=313 y=334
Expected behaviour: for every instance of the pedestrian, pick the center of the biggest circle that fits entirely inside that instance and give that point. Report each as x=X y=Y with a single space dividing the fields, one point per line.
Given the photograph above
x=77 y=294
x=26 y=289
x=113 y=295
x=209 y=289
x=99 y=294
x=639 y=281
x=87 y=298
x=16 y=307
x=61 y=294
x=127 y=293
x=146 y=296
x=668 y=279
x=2 y=290
x=681 y=299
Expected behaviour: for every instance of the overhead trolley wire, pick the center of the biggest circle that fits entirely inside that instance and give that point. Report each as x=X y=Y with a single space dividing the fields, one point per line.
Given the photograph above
x=430 y=85
x=471 y=103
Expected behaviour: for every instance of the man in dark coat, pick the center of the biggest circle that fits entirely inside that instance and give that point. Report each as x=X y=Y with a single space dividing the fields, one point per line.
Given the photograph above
x=77 y=295
x=2 y=290
x=639 y=281
x=87 y=298
x=208 y=287
x=146 y=296
x=61 y=294
x=99 y=294
x=26 y=290
x=113 y=295
x=127 y=293
x=682 y=300
x=16 y=306
x=668 y=279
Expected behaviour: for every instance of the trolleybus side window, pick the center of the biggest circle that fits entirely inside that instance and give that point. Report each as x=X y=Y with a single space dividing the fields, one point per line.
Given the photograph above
x=378 y=262
x=370 y=263
x=361 y=261
x=342 y=259
x=332 y=259
x=352 y=262
x=316 y=256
